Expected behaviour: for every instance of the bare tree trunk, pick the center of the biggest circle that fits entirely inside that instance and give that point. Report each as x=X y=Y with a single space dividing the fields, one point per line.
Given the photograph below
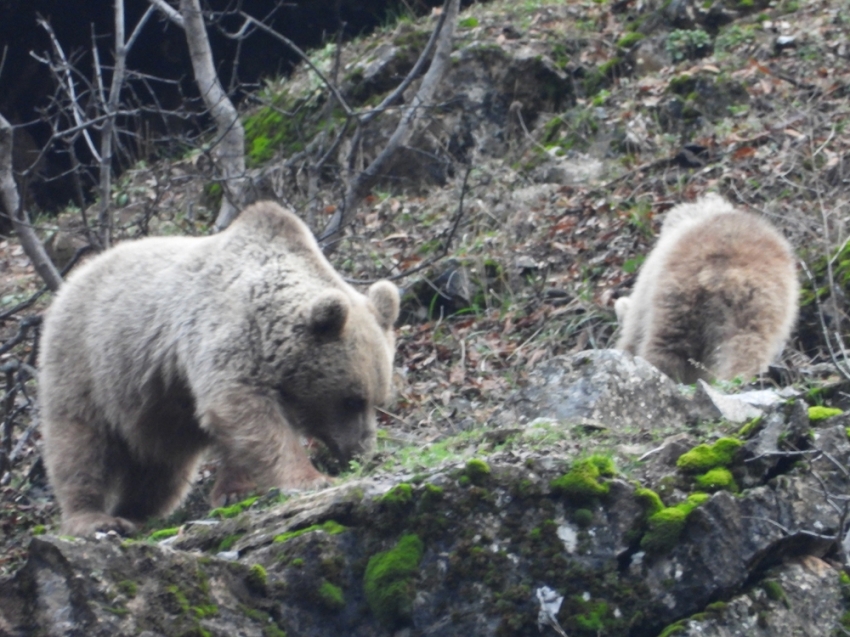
x=106 y=214
x=230 y=149
x=9 y=192
x=360 y=186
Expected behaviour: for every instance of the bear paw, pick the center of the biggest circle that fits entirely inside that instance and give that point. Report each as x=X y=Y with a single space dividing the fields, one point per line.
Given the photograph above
x=305 y=479
x=87 y=524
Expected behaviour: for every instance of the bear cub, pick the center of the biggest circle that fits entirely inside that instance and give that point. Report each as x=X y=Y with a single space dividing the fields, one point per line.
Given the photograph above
x=716 y=298
x=159 y=349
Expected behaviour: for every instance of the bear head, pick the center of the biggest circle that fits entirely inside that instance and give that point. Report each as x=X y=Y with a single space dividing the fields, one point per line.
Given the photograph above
x=344 y=368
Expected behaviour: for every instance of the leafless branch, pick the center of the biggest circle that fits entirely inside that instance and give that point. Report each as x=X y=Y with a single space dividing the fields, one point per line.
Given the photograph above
x=170 y=12
x=365 y=180
x=15 y=209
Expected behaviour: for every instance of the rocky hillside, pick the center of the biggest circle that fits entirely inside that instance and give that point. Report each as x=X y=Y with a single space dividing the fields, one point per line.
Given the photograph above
x=524 y=483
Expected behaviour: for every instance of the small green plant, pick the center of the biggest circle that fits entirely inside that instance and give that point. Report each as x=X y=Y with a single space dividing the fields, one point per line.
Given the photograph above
x=734 y=36
x=688 y=44
x=468 y=23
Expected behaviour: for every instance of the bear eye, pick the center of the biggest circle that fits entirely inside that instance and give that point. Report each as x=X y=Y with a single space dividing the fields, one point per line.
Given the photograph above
x=354 y=404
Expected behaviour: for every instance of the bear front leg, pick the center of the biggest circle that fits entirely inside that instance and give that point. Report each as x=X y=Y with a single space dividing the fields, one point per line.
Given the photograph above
x=259 y=448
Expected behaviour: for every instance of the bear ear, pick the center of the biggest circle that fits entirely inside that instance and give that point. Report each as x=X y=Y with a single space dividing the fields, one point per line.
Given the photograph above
x=328 y=314
x=385 y=297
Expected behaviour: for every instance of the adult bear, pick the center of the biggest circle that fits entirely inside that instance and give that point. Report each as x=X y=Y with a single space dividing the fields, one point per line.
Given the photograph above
x=160 y=348
x=716 y=298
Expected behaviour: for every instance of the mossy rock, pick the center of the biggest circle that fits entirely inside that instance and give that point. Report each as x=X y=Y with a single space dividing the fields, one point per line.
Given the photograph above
x=388 y=581
x=582 y=483
x=703 y=458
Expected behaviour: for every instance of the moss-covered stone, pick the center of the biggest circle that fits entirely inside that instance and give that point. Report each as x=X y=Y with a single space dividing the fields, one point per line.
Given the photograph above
x=128 y=587
x=163 y=534
x=650 y=499
x=234 y=509
x=388 y=581
x=331 y=596
x=399 y=496
x=582 y=483
x=228 y=541
x=719 y=478
x=818 y=413
x=703 y=458
x=330 y=527
x=257 y=579
x=665 y=527
x=750 y=428
x=477 y=471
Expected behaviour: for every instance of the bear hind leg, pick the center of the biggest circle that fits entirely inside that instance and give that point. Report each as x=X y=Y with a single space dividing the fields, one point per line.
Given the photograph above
x=76 y=458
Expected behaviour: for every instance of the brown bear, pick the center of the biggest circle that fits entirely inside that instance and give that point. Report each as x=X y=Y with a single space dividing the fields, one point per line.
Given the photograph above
x=716 y=298
x=161 y=348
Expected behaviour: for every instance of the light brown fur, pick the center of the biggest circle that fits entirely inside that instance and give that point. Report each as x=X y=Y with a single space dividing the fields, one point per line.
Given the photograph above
x=163 y=347
x=716 y=298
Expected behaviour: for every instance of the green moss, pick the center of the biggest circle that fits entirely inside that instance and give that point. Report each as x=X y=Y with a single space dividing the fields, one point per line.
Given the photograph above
x=749 y=428
x=388 y=581
x=775 y=592
x=582 y=482
x=228 y=541
x=705 y=457
x=162 y=534
x=257 y=578
x=665 y=527
x=234 y=509
x=128 y=588
x=331 y=596
x=819 y=413
x=593 y=619
x=583 y=518
x=629 y=39
x=399 y=496
x=298 y=562
x=650 y=499
x=716 y=607
x=116 y=610
x=179 y=597
x=468 y=23
x=39 y=529
x=330 y=527
x=717 y=479
x=677 y=628
x=205 y=610
x=272 y=630
x=477 y=471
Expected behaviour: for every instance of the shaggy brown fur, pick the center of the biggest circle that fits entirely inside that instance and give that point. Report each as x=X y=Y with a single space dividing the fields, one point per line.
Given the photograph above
x=163 y=347
x=716 y=298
